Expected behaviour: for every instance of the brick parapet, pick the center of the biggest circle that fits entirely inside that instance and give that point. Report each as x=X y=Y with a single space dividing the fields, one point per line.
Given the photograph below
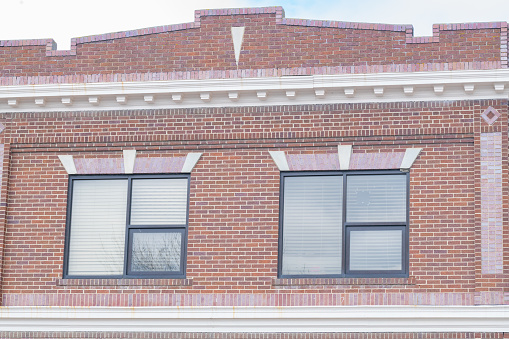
x=80 y=59
x=279 y=19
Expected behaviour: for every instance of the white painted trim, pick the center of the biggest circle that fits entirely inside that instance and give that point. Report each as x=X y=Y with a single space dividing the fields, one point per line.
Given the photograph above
x=129 y=159
x=67 y=101
x=149 y=99
x=408 y=159
x=191 y=160
x=340 y=88
x=258 y=319
x=344 y=153
x=68 y=163
x=237 y=37
x=279 y=158
x=93 y=100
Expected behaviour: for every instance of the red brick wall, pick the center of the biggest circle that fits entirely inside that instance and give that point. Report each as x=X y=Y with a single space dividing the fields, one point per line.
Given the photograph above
x=234 y=201
x=267 y=44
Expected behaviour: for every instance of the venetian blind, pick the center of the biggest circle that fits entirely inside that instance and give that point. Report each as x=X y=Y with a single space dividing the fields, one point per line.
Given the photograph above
x=97 y=233
x=377 y=250
x=376 y=198
x=312 y=234
x=159 y=202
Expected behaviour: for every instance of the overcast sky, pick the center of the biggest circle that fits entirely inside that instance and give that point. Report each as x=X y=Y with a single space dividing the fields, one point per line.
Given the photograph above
x=65 y=19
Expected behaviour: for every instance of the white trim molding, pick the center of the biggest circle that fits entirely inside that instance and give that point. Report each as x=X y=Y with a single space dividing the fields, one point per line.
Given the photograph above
x=190 y=162
x=409 y=158
x=279 y=158
x=129 y=160
x=237 y=37
x=344 y=154
x=286 y=90
x=68 y=163
x=259 y=319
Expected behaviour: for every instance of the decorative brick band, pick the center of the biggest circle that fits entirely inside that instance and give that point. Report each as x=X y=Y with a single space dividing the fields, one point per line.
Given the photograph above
x=99 y=166
x=246 y=73
x=492 y=223
x=244 y=335
x=130 y=164
x=384 y=160
x=2 y=153
x=159 y=165
x=357 y=161
x=124 y=282
x=503 y=45
x=285 y=297
x=343 y=281
x=312 y=162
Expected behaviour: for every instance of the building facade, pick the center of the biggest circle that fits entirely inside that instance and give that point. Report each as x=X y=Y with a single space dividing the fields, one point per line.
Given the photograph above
x=248 y=175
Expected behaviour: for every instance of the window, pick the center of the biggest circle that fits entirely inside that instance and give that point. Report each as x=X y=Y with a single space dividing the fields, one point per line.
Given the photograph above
x=127 y=226
x=343 y=224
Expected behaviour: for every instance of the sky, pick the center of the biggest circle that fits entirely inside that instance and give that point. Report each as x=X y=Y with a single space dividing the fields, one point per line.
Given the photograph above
x=62 y=20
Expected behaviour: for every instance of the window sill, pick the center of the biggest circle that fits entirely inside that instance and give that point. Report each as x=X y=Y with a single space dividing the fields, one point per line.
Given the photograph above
x=342 y=281
x=124 y=282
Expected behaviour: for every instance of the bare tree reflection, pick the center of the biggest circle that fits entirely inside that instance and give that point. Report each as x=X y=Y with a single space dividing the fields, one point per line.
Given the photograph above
x=156 y=252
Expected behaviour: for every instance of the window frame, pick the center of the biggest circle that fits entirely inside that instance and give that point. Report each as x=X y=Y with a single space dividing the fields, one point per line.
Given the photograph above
x=347 y=227
x=127 y=242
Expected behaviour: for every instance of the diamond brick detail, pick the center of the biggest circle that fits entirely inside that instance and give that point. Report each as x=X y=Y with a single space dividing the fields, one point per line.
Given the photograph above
x=490 y=115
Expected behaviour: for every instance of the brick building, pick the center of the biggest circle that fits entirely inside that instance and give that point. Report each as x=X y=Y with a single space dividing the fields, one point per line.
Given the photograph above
x=247 y=175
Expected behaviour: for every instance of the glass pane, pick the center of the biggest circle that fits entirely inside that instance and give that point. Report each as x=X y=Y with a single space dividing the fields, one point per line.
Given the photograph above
x=376 y=250
x=376 y=198
x=159 y=202
x=312 y=235
x=156 y=251
x=97 y=227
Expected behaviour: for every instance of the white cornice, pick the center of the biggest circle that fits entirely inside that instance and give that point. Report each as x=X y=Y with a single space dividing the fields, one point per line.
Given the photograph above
x=258 y=319
x=288 y=90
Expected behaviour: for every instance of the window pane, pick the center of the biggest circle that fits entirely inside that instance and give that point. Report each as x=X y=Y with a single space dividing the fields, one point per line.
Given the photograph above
x=97 y=227
x=376 y=198
x=159 y=202
x=375 y=250
x=312 y=235
x=156 y=251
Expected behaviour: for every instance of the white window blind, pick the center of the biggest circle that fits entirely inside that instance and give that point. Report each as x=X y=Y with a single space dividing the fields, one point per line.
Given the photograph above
x=97 y=234
x=378 y=250
x=312 y=236
x=159 y=202
x=376 y=198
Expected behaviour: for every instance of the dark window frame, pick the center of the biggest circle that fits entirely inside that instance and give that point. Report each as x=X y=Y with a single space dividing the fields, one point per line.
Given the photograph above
x=349 y=226
x=127 y=242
